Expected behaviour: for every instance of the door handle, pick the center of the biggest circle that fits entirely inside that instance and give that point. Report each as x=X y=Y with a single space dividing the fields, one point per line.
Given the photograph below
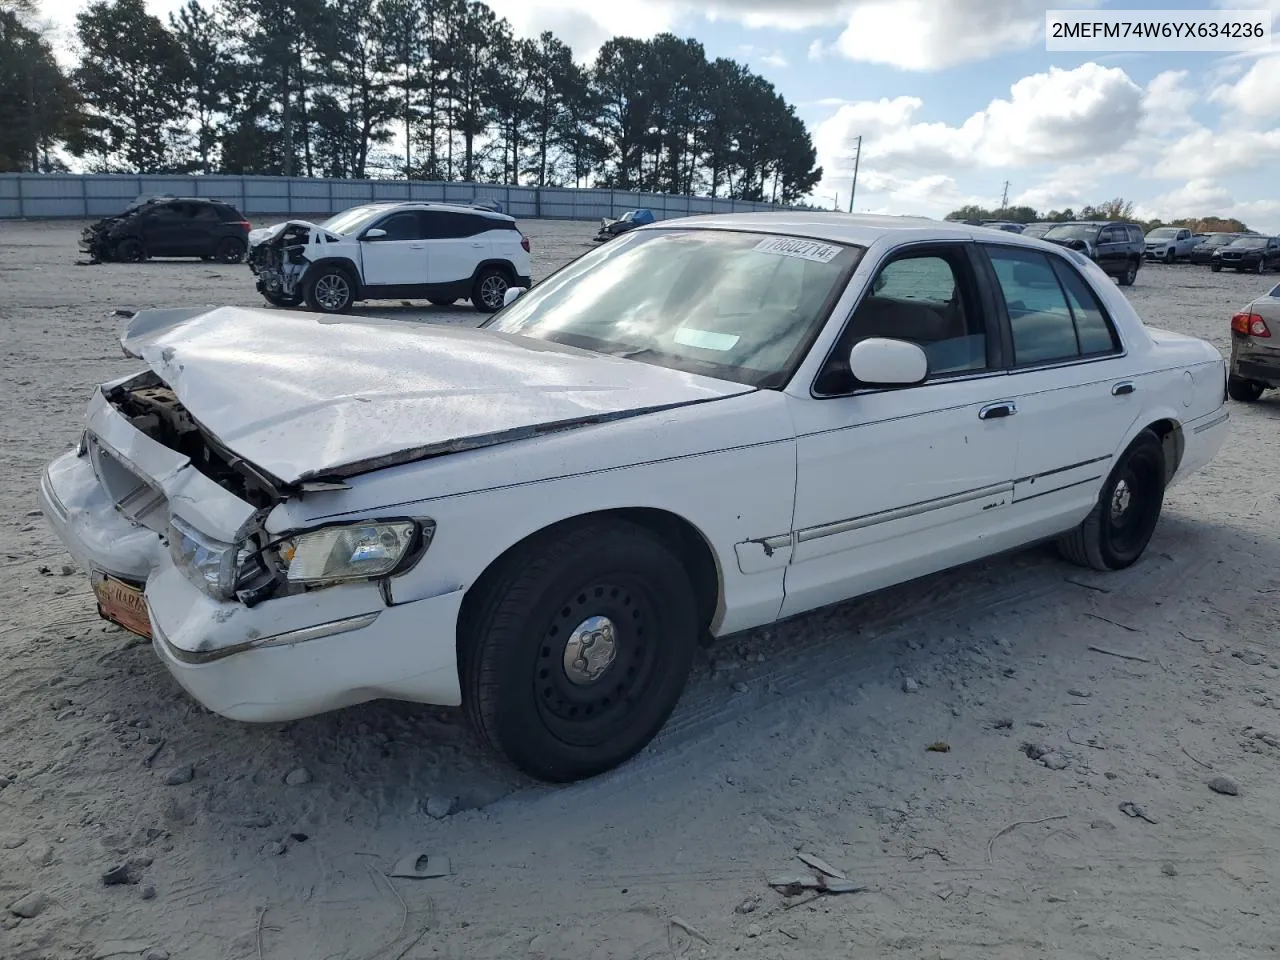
x=477 y=244
x=1123 y=389
x=417 y=246
x=994 y=411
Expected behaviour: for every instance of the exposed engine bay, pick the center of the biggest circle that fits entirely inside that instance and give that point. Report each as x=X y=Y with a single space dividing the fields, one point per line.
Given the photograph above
x=154 y=409
x=278 y=257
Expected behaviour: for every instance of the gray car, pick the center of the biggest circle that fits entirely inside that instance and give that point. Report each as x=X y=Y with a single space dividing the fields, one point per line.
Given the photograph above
x=1255 y=348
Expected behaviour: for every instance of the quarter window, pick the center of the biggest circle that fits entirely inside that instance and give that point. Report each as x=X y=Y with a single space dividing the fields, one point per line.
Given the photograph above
x=1052 y=313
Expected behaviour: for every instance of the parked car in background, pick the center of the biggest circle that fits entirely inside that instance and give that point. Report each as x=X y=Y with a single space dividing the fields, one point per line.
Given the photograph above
x=672 y=436
x=1255 y=348
x=169 y=227
x=382 y=251
x=1118 y=248
x=1037 y=230
x=1169 y=244
x=1252 y=253
x=627 y=222
x=1202 y=252
x=1008 y=226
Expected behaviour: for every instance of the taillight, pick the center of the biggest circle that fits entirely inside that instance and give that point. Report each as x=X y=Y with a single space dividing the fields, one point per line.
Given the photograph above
x=244 y=223
x=1250 y=325
x=524 y=242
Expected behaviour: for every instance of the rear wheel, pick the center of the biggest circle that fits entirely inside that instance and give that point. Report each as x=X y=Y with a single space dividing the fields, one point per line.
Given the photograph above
x=576 y=650
x=130 y=250
x=442 y=301
x=1130 y=274
x=330 y=290
x=490 y=288
x=1120 y=526
x=1244 y=391
x=230 y=250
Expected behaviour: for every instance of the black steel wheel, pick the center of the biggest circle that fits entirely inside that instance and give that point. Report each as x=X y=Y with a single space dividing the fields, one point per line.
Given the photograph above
x=576 y=650
x=1119 y=527
x=130 y=250
x=229 y=250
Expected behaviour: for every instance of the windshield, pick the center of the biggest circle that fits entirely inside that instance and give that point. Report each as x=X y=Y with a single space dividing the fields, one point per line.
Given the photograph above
x=1036 y=229
x=1072 y=231
x=353 y=220
x=1162 y=233
x=736 y=306
x=1216 y=240
x=1247 y=243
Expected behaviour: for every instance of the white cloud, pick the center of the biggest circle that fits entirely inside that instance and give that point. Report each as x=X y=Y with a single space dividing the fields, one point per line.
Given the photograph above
x=1256 y=95
x=936 y=34
x=1205 y=153
x=1195 y=198
x=775 y=59
x=1167 y=103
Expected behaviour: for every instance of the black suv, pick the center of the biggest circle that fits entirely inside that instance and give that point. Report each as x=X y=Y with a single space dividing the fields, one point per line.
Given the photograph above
x=169 y=227
x=1252 y=253
x=1118 y=248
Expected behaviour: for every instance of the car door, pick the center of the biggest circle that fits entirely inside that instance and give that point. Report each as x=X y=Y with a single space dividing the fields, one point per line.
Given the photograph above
x=1273 y=253
x=203 y=229
x=896 y=483
x=1185 y=241
x=399 y=257
x=456 y=245
x=162 y=229
x=1069 y=380
x=1111 y=249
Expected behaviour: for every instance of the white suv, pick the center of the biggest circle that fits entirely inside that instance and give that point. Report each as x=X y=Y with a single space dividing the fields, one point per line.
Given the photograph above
x=392 y=251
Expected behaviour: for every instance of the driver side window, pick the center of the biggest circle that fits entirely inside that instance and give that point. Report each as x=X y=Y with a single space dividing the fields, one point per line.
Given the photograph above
x=923 y=298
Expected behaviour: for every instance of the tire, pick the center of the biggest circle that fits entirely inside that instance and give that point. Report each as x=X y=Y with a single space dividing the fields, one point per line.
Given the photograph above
x=522 y=688
x=1244 y=391
x=1129 y=276
x=129 y=250
x=1260 y=267
x=1119 y=527
x=1216 y=267
x=490 y=287
x=442 y=301
x=330 y=290
x=1170 y=256
x=229 y=250
x=280 y=300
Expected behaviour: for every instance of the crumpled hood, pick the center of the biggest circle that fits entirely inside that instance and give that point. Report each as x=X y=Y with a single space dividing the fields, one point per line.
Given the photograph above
x=261 y=235
x=306 y=396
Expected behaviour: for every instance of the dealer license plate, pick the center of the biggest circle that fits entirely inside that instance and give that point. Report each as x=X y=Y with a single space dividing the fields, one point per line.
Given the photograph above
x=122 y=604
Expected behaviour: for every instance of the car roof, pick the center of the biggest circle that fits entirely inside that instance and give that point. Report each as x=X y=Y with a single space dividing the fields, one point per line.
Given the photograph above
x=859 y=229
x=436 y=205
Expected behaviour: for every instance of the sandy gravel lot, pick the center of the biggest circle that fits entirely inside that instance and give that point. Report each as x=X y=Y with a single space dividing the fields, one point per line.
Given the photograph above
x=797 y=739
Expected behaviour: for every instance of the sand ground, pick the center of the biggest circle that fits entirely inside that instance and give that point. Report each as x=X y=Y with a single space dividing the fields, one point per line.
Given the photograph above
x=799 y=738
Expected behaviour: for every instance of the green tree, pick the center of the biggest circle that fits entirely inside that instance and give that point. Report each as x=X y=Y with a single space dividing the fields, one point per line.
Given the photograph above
x=38 y=105
x=130 y=77
x=205 y=76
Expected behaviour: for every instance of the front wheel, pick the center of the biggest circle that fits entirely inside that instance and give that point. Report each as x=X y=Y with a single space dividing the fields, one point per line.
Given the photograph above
x=280 y=300
x=576 y=650
x=1259 y=267
x=229 y=250
x=130 y=250
x=1118 y=529
x=1170 y=256
x=1244 y=391
x=1216 y=268
x=490 y=289
x=330 y=290
x=1130 y=275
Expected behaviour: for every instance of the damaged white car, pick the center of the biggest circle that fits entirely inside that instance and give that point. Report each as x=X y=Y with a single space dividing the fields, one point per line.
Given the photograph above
x=701 y=427
x=390 y=251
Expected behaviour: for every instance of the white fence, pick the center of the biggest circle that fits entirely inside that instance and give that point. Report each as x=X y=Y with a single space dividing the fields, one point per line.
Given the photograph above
x=89 y=196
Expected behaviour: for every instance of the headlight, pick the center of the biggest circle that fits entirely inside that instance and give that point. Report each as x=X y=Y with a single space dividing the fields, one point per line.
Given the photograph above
x=209 y=564
x=356 y=551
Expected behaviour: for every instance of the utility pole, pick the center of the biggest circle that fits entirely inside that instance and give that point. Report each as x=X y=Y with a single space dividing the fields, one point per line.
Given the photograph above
x=1004 y=199
x=856 y=158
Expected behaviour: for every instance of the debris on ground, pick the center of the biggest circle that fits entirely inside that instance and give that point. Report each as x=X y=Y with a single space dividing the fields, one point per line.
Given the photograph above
x=297 y=777
x=1137 y=811
x=30 y=905
x=421 y=866
x=910 y=685
x=180 y=775
x=1225 y=786
x=822 y=866
x=439 y=807
x=938 y=747
x=118 y=874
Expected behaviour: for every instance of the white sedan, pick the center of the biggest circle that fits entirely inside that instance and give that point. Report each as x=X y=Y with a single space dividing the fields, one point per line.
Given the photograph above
x=702 y=427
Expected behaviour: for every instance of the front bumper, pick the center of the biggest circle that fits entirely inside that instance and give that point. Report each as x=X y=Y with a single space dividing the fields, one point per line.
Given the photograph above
x=287 y=657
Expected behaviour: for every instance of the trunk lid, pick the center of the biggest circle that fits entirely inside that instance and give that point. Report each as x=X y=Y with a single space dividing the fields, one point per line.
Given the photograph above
x=304 y=396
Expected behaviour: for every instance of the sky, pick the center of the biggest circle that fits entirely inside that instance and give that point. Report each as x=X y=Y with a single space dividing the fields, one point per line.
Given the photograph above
x=953 y=98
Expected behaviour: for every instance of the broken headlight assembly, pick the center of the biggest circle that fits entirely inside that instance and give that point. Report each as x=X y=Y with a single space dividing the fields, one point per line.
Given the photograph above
x=210 y=564
x=365 y=550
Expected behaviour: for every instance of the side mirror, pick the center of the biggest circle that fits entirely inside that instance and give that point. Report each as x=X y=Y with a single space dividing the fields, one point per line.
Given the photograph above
x=511 y=294
x=881 y=362
x=375 y=233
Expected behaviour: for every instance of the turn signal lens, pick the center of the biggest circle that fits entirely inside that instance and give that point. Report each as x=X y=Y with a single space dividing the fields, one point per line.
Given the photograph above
x=1250 y=325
